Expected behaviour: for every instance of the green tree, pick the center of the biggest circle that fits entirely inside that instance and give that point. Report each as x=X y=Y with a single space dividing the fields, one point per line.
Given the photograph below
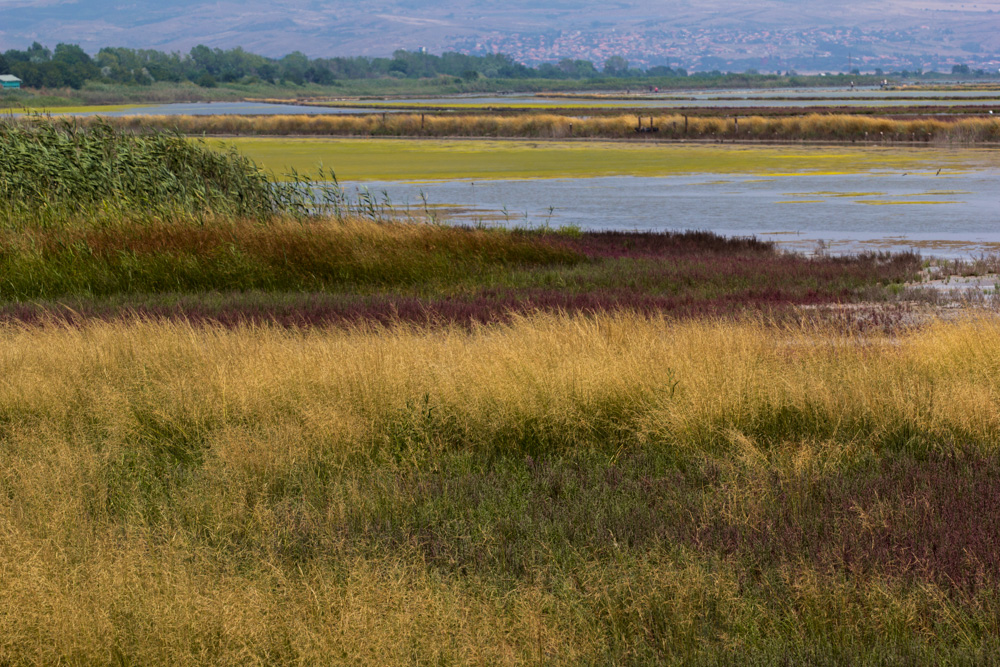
x=293 y=67
x=615 y=66
x=38 y=53
x=577 y=69
x=660 y=70
x=205 y=59
x=75 y=65
x=268 y=72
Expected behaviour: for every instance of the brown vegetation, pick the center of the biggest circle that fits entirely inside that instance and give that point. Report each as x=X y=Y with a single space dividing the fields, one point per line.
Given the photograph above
x=812 y=127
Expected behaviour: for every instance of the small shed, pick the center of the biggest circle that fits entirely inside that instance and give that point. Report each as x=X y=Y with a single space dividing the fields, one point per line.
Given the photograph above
x=9 y=81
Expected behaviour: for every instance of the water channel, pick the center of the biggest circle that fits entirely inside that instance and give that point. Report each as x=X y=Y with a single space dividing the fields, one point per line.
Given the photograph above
x=793 y=98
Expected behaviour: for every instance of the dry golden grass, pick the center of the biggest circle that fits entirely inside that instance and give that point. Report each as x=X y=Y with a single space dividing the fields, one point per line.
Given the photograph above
x=175 y=494
x=571 y=379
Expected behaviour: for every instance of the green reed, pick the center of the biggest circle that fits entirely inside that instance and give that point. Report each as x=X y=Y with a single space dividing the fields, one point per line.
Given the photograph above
x=54 y=171
x=50 y=170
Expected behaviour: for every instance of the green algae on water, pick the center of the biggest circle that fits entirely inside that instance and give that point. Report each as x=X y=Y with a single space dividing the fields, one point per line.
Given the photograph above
x=428 y=160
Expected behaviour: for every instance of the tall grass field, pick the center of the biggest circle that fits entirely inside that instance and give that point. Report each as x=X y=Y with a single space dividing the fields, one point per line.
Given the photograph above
x=610 y=489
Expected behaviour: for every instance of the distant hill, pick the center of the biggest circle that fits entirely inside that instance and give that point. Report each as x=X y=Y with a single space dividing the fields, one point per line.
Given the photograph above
x=704 y=34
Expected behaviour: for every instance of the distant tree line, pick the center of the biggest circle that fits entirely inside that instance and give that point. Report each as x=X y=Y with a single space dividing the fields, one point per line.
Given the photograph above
x=965 y=70
x=69 y=66
x=39 y=67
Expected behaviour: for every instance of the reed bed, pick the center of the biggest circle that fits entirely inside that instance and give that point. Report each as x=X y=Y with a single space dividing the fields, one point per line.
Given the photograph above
x=64 y=173
x=814 y=127
x=609 y=489
x=52 y=170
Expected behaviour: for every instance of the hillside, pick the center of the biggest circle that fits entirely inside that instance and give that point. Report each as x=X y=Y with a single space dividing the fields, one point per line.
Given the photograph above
x=774 y=34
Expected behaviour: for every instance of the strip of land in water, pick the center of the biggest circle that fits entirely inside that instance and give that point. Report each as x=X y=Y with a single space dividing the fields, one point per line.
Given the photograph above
x=646 y=126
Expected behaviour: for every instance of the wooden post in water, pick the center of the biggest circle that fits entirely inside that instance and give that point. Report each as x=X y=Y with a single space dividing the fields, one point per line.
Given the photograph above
x=685 y=125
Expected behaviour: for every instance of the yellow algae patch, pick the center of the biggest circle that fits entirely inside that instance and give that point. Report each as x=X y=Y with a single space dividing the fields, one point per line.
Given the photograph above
x=824 y=193
x=97 y=109
x=547 y=103
x=902 y=203
x=440 y=159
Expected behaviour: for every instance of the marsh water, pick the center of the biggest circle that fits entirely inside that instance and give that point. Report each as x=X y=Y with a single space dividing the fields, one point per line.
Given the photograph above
x=736 y=98
x=225 y=109
x=945 y=214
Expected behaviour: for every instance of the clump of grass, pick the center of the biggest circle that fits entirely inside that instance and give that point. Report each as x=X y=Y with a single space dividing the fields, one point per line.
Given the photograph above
x=59 y=173
x=51 y=170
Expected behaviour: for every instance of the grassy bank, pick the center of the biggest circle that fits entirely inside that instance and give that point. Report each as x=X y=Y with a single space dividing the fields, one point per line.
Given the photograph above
x=812 y=127
x=559 y=490
x=341 y=271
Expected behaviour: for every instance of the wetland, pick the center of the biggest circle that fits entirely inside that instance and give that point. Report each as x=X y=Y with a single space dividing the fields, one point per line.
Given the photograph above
x=842 y=198
x=236 y=428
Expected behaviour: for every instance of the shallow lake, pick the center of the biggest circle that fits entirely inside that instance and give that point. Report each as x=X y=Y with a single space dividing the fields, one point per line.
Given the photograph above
x=223 y=108
x=795 y=97
x=839 y=93
x=678 y=103
x=954 y=213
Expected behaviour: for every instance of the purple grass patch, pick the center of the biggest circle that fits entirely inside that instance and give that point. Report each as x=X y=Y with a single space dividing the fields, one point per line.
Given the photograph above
x=936 y=520
x=495 y=306
x=606 y=244
x=688 y=274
